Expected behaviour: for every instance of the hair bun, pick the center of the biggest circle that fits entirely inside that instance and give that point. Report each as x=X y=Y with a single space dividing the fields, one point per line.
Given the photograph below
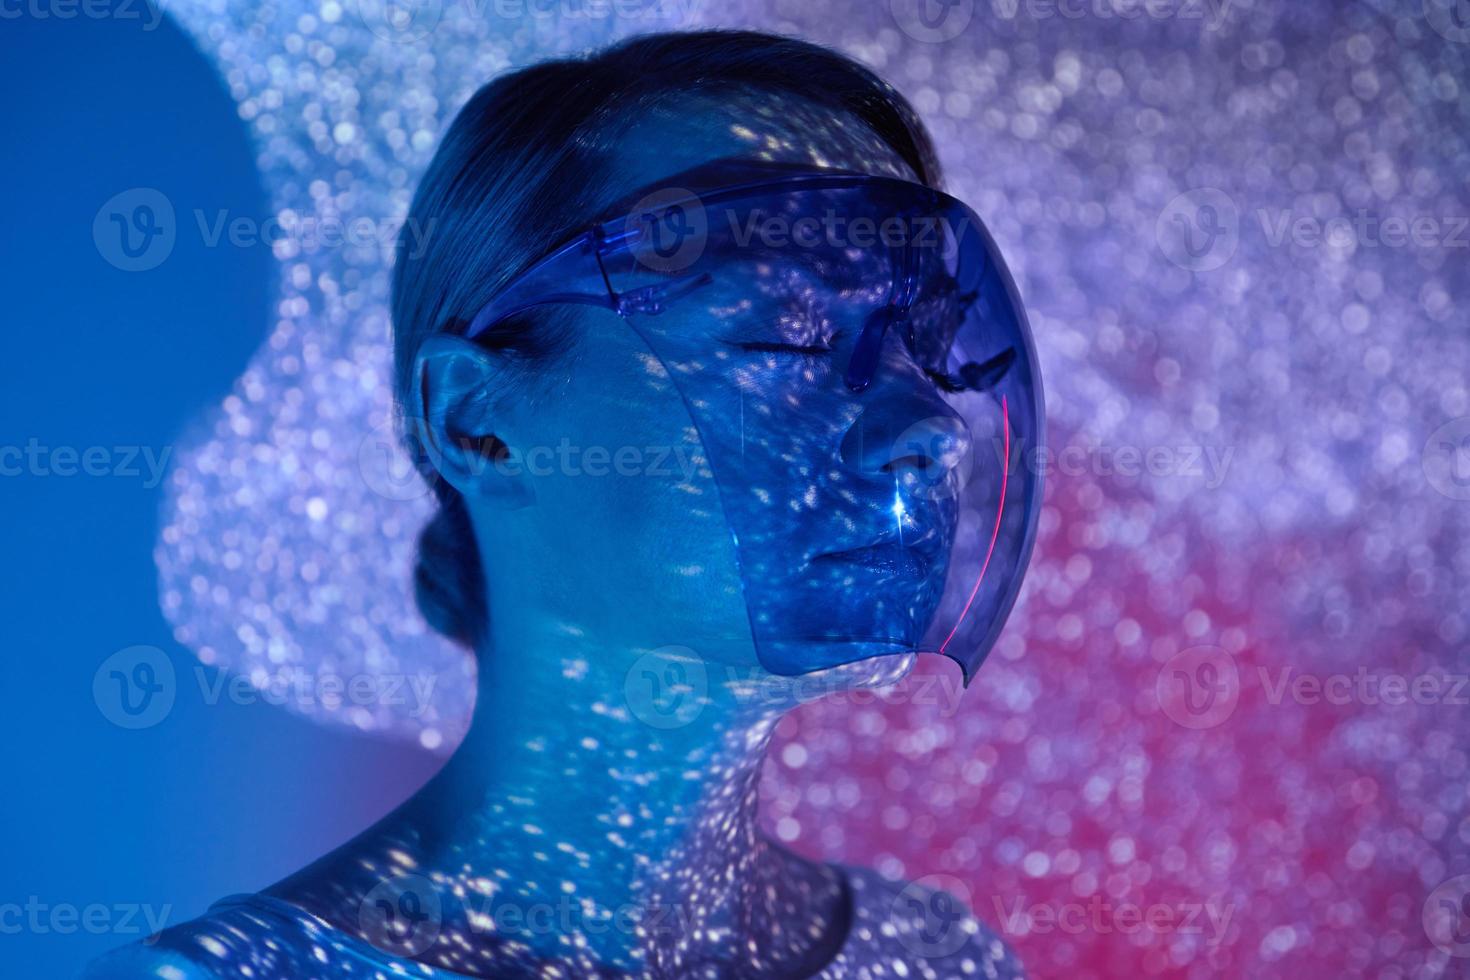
x=448 y=581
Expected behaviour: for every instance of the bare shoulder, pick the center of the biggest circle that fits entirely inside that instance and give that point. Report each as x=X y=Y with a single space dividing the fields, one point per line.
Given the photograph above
x=920 y=929
x=238 y=937
x=137 y=961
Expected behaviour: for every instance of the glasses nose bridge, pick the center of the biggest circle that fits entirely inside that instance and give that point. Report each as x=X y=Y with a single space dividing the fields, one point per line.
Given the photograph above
x=892 y=318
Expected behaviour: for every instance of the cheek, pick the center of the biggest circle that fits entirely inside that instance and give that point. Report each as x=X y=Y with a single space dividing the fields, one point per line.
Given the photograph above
x=629 y=501
x=613 y=467
x=626 y=454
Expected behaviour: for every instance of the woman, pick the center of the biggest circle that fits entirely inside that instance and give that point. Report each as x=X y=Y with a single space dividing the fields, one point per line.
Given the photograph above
x=707 y=377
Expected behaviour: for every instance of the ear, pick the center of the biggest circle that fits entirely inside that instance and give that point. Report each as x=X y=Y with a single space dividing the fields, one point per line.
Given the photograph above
x=452 y=411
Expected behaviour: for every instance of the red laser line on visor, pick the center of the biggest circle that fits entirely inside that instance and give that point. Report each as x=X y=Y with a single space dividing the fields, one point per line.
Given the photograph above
x=1005 y=475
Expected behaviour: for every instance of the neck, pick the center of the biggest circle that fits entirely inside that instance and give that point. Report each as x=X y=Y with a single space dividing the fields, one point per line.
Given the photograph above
x=623 y=787
x=603 y=809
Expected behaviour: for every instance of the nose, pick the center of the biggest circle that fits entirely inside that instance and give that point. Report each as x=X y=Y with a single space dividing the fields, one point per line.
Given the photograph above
x=906 y=431
x=911 y=442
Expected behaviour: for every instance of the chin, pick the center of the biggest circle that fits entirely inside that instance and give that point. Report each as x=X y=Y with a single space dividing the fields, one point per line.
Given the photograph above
x=846 y=665
x=881 y=665
x=830 y=630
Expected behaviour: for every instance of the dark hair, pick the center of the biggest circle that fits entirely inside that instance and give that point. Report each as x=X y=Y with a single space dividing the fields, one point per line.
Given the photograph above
x=523 y=166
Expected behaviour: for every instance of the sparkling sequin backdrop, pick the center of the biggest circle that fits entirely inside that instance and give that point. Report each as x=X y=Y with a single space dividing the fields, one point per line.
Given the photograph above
x=1225 y=732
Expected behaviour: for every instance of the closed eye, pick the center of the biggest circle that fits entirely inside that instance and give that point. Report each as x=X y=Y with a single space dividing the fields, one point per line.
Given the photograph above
x=946 y=382
x=976 y=377
x=771 y=347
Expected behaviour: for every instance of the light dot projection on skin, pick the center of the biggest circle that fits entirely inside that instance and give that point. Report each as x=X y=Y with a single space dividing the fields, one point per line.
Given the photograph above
x=695 y=891
x=1254 y=410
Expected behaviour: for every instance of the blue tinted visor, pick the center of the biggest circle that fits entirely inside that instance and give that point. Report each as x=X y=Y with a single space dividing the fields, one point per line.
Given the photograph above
x=851 y=352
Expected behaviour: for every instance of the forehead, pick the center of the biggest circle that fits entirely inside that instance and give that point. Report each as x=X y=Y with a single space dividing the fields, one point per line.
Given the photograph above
x=685 y=131
x=679 y=134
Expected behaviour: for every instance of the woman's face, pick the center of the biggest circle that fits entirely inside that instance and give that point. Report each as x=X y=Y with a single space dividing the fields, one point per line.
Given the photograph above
x=711 y=479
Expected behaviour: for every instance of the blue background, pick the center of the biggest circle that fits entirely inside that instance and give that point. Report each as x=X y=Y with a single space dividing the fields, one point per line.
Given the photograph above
x=1327 y=549
x=217 y=798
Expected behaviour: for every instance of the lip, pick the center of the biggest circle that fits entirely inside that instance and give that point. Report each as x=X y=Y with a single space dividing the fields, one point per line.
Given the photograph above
x=893 y=558
x=911 y=556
